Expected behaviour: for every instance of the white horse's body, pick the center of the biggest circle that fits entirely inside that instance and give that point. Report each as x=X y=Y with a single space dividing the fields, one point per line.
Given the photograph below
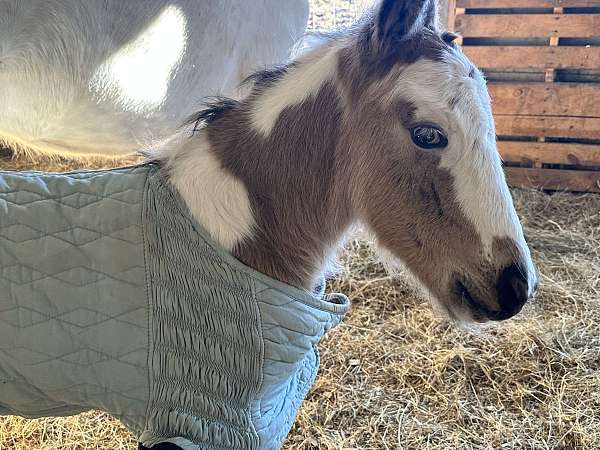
x=111 y=76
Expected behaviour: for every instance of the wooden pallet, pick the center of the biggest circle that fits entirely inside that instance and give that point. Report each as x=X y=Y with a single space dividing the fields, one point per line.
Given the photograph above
x=542 y=58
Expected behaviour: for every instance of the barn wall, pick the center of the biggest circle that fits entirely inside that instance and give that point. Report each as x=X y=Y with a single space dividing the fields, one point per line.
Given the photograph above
x=543 y=70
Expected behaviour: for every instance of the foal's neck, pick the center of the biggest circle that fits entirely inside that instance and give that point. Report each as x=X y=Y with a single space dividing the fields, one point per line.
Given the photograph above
x=269 y=170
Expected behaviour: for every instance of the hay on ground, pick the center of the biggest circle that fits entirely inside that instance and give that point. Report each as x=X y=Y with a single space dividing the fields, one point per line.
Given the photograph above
x=394 y=376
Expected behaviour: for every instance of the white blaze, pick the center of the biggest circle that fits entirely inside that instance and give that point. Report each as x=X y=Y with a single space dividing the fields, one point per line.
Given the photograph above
x=471 y=156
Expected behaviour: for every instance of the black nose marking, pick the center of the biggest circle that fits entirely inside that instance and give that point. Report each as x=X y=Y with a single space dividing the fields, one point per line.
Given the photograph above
x=513 y=289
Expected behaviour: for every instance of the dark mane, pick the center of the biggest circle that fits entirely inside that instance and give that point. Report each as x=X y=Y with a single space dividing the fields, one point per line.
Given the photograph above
x=262 y=79
x=217 y=106
x=265 y=78
x=214 y=109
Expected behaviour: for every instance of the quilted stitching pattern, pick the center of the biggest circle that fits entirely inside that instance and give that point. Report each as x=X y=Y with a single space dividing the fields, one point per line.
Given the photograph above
x=254 y=343
x=112 y=297
x=71 y=287
x=291 y=330
x=207 y=350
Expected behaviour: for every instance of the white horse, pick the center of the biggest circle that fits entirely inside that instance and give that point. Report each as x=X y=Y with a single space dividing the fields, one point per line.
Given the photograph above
x=111 y=76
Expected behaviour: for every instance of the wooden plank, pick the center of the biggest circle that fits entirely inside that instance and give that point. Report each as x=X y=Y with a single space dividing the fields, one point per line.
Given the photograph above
x=451 y=14
x=536 y=126
x=534 y=58
x=528 y=25
x=527 y=3
x=546 y=99
x=550 y=153
x=551 y=179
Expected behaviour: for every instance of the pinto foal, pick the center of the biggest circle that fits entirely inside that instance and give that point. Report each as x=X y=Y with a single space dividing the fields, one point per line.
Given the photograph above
x=388 y=125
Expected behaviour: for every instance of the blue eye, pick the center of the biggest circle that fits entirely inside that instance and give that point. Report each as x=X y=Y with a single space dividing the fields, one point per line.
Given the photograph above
x=428 y=137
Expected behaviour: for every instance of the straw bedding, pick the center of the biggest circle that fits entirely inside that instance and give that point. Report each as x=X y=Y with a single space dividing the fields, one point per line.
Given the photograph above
x=395 y=376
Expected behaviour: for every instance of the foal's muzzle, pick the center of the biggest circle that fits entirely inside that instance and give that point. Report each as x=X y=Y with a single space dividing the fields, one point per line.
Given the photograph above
x=512 y=292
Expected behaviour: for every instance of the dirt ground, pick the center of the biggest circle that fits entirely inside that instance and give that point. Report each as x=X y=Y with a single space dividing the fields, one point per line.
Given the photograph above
x=395 y=376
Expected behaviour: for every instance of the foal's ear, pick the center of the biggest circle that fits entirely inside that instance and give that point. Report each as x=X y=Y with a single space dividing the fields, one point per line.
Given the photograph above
x=400 y=19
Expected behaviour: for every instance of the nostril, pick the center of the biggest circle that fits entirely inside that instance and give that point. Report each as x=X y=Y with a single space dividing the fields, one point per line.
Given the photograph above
x=513 y=289
x=519 y=285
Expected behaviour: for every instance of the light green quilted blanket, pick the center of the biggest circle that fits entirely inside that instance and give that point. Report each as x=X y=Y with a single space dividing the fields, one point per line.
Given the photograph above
x=112 y=297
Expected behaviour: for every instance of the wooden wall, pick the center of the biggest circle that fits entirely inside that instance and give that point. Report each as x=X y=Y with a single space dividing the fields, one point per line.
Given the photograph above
x=542 y=60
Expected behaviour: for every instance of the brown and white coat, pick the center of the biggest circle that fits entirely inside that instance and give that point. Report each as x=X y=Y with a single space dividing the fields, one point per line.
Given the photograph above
x=332 y=140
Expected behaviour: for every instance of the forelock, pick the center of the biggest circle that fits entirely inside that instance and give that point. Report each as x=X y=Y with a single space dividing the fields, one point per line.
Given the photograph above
x=426 y=44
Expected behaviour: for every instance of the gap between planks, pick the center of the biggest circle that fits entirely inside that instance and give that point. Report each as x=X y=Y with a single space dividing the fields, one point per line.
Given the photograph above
x=554 y=179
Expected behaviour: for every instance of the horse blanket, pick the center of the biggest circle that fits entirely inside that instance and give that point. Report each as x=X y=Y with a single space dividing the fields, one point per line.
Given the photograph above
x=113 y=297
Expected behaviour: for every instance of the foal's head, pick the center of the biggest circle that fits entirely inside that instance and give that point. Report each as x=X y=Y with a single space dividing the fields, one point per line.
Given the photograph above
x=425 y=173
x=389 y=125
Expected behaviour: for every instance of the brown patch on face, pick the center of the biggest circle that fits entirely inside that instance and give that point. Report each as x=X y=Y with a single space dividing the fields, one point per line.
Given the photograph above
x=289 y=176
x=409 y=202
x=507 y=250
